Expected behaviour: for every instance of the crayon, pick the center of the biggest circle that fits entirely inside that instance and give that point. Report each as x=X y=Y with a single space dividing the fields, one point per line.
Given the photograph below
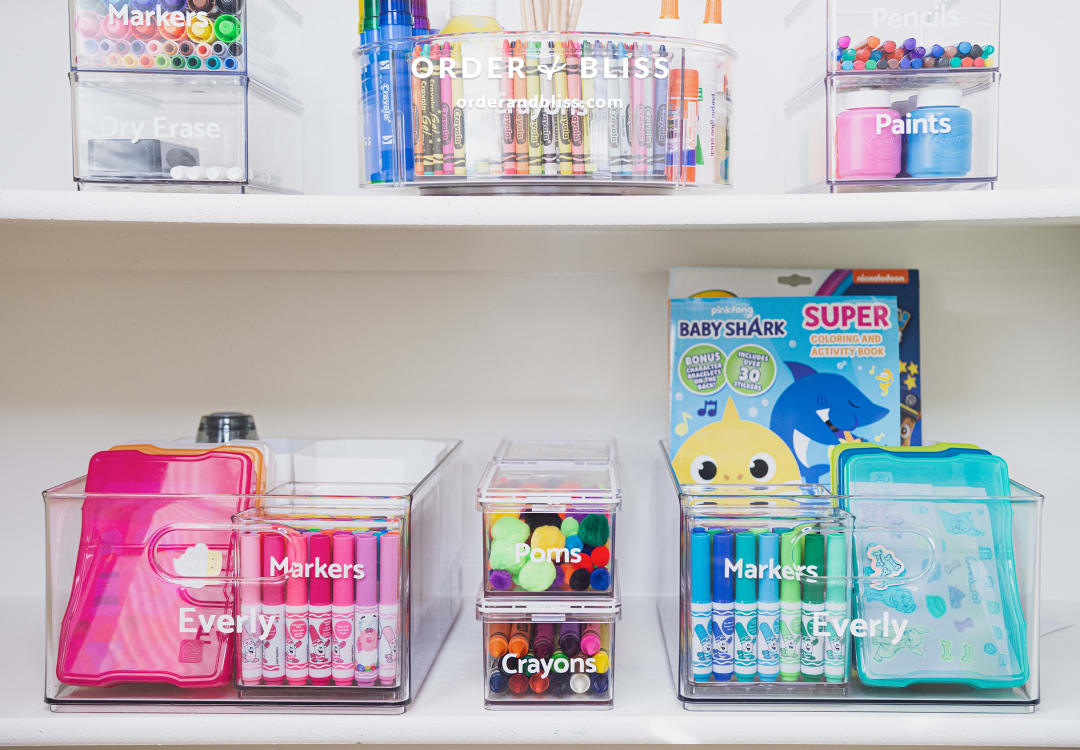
x=570 y=638
x=497 y=681
x=625 y=163
x=520 y=637
x=591 y=639
x=562 y=95
x=614 y=115
x=649 y=111
x=548 y=135
x=544 y=640
x=637 y=118
x=498 y=639
x=580 y=683
x=661 y=126
x=446 y=113
x=419 y=99
x=458 y=112
x=518 y=684
x=434 y=147
x=588 y=96
x=535 y=116
x=521 y=110
x=598 y=152
x=539 y=684
x=577 y=127
x=509 y=141
x=599 y=683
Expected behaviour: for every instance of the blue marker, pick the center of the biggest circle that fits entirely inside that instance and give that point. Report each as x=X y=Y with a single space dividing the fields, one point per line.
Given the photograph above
x=372 y=154
x=394 y=92
x=723 y=606
x=746 y=609
x=768 y=665
x=700 y=605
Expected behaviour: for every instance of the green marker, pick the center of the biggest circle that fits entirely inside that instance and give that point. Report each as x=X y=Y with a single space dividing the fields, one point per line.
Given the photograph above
x=746 y=607
x=227 y=28
x=836 y=607
x=790 y=607
x=813 y=606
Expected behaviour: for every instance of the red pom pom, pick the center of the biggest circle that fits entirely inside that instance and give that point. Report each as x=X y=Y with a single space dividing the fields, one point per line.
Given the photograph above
x=601 y=556
x=585 y=562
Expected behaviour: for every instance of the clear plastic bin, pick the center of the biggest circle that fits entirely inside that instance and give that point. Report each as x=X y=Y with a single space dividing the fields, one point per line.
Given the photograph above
x=911 y=30
x=895 y=131
x=184 y=132
x=549 y=528
x=946 y=589
x=553 y=653
x=545 y=112
x=588 y=450
x=145 y=593
x=262 y=38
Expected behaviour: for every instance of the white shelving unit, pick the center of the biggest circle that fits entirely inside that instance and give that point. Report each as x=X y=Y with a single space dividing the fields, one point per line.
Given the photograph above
x=449 y=707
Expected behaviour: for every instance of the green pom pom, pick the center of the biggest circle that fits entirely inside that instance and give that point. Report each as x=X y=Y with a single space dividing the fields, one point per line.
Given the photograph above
x=594 y=530
x=569 y=526
x=504 y=556
x=536 y=576
x=509 y=529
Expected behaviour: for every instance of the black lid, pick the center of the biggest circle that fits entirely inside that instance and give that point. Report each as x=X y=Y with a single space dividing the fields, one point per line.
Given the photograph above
x=226 y=426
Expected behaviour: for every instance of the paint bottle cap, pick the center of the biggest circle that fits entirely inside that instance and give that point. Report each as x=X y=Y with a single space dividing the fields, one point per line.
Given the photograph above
x=226 y=426
x=868 y=99
x=947 y=97
x=688 y=77
x=485 y=8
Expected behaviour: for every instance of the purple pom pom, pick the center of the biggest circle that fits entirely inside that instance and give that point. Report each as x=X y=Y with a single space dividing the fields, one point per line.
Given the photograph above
x=501 y=580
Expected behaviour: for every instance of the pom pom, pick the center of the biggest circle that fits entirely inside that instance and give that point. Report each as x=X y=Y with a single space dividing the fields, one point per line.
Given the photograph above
x=504 y=556
x=536 y=520
x=536 y=576
x=594 y=530
x=600 y=579
x=510 y=529
x=500 y=580
x=548 y=538
x=600 y=557
x=585 y=563
x=560 y=578
x=577 y=516
x=579 y=580
x=573 y=542
x=569 y=526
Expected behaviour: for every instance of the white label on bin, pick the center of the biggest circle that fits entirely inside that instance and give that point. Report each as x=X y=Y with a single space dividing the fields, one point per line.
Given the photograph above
x=937 y=17
x=191 y=621
x=544 y=667
x=888 y=629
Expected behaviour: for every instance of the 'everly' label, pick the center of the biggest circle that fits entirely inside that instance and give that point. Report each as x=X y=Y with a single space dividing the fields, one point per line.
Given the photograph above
x=822 y=625
x=190 y=622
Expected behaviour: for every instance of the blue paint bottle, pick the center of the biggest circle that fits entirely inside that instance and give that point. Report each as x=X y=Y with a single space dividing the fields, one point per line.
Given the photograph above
x=940 y=138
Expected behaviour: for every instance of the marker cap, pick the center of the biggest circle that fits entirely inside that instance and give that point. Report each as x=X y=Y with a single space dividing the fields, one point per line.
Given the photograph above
x=389 y=560
x=700 y=589
x=319 y=553
x=344 y=555
x=769 y=586
x=836 y=566
x=367 y=554
x=814 y=557
x=746 y=552
x=296 y=586
x=723 y=586
x=790 y=559
x=273 y=551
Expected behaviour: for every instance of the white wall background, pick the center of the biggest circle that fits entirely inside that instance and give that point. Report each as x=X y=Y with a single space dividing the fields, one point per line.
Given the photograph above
x=1039 y=108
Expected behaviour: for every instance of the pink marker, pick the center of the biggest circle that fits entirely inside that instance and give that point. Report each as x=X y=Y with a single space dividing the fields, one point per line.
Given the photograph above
x=342 y=611
x=389 y=567
x=273 y=611
x=319 y=625
x=115 y=28
x=296 y=621
x=250 y=644
x=446 y=118
x=367 y=610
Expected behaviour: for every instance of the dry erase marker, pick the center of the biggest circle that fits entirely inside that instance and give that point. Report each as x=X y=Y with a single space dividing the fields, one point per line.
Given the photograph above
x=296 y=621
x=319 y=610
x=768 y=648
x=250 y=606
x=723 y=606
x=813 y=605
x=367 y=610
x=343 y=663
x=836 y=607
x=389 y=572
x=790 y=609
x=273 y=611
x=700 y=606
x=746 y=610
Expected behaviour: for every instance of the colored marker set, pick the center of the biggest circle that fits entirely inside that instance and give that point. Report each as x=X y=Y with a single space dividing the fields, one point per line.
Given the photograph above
x=910 y=100
x=549 y=600
x=545 y=111
x=276 y=573
x=215 y=116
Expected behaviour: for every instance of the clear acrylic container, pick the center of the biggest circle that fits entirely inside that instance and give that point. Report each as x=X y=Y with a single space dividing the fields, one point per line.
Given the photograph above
x=895 y=130
x=558 y=652
x=145 y=593
x=184 y=132
x=545 y=113
x=588 y=450
x=963 y=614
x=262 y=39
x=549 y=528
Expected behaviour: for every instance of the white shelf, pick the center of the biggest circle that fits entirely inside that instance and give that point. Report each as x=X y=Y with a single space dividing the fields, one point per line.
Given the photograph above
x=449 y=707
x=685 y=211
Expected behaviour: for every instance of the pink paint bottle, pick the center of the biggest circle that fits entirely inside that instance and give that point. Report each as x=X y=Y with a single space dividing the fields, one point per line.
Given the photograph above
x=866 y=146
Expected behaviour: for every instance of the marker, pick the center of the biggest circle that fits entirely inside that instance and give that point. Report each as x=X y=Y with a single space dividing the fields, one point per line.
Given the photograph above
x=213 y=63
x=700 y=605
x=200 y=30
x=296 y=616
x=570 y=638
x=498 y=639
x=389 y=575
x=250 y=644
x=395 y=120
x=768 y=649
x=790 y=609
x=813 y=604
x=421 y=24
x=723 y=607
x=227 y=28
x=836 y=607
x=319 y=611
x=343 y=664
x=591 y=642
x=273 y=610
x=544 y=641
x=520 y=635
x=746 y=626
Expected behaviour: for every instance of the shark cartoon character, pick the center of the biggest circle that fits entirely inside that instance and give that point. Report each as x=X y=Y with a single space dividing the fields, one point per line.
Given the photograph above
x=819 y=408
x=734 y=451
